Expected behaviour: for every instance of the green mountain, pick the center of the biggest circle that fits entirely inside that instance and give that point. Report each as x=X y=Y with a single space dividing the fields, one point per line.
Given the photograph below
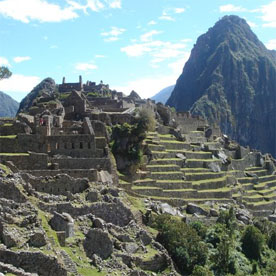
x=8 y=106
x=163 y=95
x=231 y=78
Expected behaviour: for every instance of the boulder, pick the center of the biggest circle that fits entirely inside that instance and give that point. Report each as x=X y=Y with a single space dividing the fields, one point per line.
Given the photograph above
x=98 y=242
x=272 y=218
x=37 y=239
x=195 y=209
x=214 y=166
x=92 y=196
x=131 y=247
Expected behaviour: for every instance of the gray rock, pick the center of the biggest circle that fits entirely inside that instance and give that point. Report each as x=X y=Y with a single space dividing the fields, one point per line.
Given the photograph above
x=131 y=247
x=63 y=222
x=214 y=213
x=214 y=167
x=92 y=196
x=272 y=218
x=98 y=242
x=167 y=209
x=195 y=209
x=37 y=239
x=145 y=237
x=181 y=156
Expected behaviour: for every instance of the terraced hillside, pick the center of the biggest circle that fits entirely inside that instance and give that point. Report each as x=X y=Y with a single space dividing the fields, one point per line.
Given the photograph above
x=198 y=171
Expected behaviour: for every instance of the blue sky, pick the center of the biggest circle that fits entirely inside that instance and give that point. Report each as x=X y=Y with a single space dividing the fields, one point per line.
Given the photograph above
x=129 y=44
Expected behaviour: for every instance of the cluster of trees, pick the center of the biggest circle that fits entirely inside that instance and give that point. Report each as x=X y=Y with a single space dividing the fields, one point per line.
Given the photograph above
x=224 y=248
x=127 y=140
x=4 y=72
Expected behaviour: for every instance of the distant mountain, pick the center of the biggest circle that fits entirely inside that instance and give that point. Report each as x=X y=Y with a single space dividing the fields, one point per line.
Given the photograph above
x=8 y=106
x=230 y=78
x=163 y=95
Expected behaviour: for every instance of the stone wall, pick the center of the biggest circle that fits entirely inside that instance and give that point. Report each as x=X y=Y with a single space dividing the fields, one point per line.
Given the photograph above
x=90 y=174
x=83 y=163
x=33 y=161
x=34 y=262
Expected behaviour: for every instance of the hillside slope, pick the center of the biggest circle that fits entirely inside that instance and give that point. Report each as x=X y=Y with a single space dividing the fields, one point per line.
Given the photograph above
x=163 y=95
x=8 y=106
x=231 y=78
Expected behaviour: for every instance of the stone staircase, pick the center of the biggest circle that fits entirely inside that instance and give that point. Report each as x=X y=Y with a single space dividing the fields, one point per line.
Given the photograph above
x=179 y=173
x=68 y=263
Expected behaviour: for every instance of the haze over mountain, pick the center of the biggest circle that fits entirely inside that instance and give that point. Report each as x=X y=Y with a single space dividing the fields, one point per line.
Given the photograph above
x=8 y=106
x=230 y=77
x=163 y=95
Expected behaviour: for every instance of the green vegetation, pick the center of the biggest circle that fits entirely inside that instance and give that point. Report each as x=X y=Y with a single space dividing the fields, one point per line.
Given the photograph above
x=4 y=72
x=225 y=248
x=8 y=137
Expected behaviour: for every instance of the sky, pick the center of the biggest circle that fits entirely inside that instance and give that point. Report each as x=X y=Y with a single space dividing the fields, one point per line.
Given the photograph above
x=139 y=45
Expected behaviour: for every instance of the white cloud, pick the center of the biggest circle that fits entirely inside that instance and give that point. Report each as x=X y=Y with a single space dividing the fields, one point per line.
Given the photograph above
x=148 y=36
x=100 y=56
x=85 y=66
x=152 y=22
x=113 y=34
x=157 y=50
x=231 y=8
x=19 y=83
x=178 y=65
x=94 y=5
x=251 y=24
x=21 y=59
x=271 y=44
x=148 y=86
x=136 y=50
x=179 y=10
x=4 y=62
x=115 y=4
x=268 y=16
x=40 y=10
x=166 y=17
x=43 y=11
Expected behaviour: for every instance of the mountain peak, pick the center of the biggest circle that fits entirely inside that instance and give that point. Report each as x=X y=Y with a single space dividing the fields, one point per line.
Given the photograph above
x=230 y=78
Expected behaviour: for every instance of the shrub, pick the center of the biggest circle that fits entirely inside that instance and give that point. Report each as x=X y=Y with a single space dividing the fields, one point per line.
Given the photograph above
x=252 y=242
x=182 y=242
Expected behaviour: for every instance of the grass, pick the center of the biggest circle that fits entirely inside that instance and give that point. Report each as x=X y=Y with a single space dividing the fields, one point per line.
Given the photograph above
x=8 y=137
x=219 y=179
x=5 y=169
x=14 y=154
x=7 y=125
x=161 y=173
x=145 y=188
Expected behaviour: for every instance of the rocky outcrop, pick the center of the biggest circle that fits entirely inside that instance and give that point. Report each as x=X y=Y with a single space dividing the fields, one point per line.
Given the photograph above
x=46 y=87
x=230 y=77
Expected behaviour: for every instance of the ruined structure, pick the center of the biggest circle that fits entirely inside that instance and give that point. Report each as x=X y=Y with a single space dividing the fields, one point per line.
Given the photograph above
x=61 y=188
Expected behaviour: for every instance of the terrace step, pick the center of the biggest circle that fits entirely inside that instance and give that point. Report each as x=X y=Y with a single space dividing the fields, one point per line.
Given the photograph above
x=193 y=154
x=163 y=168
x=266 y=178
x=265 y=185
x=200 y=163
x=263 y=205
x=173 y=184
x=154 y=147
x=210 y=184
x=167 y=161
x=203 y=176
x=253 y=198
x=167 y=175
x=175 y=145
x=254 y=169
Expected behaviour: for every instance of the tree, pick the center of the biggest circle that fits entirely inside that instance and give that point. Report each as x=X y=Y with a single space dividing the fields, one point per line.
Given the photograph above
x=4 y=72
x=252 y=242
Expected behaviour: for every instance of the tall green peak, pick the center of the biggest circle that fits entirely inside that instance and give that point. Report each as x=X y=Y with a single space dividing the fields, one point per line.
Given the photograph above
x=230 y=78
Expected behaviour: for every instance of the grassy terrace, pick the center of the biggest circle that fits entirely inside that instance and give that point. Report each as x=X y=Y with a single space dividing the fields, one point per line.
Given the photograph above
x=14 y=154
x=8 y=137
x=263 y=184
